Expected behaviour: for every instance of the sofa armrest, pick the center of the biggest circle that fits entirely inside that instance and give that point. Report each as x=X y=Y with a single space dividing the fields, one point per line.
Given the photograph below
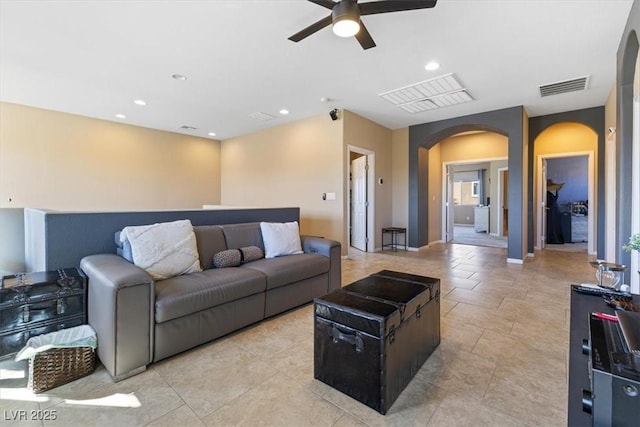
x=332 y=250
x=120 y=309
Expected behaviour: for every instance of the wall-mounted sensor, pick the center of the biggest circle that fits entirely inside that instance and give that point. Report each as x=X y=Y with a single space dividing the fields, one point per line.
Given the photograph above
x=334 y=114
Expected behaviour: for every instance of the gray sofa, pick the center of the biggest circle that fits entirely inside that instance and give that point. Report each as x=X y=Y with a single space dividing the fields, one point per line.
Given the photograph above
x=139 y=321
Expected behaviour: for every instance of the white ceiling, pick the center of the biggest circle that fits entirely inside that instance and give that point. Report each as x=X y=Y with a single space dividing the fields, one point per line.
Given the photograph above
x=94 y=58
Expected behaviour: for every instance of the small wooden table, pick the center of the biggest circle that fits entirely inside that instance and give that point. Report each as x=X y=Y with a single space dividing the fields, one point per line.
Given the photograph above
x=394 y=231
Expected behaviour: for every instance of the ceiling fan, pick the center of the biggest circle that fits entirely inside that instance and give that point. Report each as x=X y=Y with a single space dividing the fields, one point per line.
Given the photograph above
x=345 y=17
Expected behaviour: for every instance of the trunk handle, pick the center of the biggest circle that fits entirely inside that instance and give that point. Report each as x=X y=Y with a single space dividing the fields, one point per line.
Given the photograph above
x=353 y=339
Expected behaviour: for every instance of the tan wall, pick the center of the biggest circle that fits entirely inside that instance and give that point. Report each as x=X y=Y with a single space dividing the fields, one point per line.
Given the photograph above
x=363 y=133
x=290 y=165
x=400 y=177
x=435 y=194
x=62 y=161
x=558 y=139
x=477 y=146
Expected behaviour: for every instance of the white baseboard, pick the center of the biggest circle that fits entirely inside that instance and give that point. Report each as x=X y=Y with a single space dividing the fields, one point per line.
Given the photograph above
x=515 y=261
x=531 y=255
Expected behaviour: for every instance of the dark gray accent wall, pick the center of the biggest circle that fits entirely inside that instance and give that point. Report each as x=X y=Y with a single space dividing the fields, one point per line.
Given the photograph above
x=508 y=122
x=594 y=119
x=61 y=239
x=626 y=63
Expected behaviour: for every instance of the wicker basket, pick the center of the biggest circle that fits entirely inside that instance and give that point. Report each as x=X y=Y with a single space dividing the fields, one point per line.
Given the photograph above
x=57 y=366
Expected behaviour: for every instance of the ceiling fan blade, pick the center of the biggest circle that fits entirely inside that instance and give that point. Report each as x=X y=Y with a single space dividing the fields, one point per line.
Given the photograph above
x=311 y=29
x=324 y=3
x=364 y=38
x=385 y=6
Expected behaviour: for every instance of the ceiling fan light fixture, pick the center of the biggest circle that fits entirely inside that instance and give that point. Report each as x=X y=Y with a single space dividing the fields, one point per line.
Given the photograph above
x=346 y=28
x=345 y=17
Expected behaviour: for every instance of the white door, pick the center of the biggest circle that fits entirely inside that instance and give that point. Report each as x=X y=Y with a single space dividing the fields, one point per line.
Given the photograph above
x=449 y=204
x=543 y=203
x=359 y=203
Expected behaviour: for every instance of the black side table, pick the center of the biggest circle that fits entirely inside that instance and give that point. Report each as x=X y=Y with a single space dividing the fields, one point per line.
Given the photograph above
x=395 y=232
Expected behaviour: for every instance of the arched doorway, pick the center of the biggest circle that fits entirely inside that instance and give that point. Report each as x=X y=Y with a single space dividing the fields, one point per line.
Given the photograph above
x=510 y=122
x=465 y=186
x=565 y=214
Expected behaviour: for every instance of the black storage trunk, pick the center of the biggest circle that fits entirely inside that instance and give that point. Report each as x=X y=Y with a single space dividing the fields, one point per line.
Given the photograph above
x=40 y=302
x=372 y=336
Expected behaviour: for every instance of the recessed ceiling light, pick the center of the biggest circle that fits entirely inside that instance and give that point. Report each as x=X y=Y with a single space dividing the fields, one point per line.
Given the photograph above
x=211 y=134
x=432 y=66
x=284 y=112
x=121 y=116
x=139 y=102
x=179 y=77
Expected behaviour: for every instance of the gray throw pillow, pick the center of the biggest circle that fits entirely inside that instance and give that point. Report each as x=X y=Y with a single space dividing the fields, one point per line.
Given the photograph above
x=251 y=253
x=235 y=257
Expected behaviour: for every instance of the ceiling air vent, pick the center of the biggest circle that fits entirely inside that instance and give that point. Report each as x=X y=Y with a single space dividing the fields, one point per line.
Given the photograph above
x=263 y=117
x=185 y=127
x=443 y=91
x=563 y=87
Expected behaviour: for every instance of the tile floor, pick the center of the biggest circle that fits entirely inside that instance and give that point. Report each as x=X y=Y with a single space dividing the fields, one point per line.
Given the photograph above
x=502 y=360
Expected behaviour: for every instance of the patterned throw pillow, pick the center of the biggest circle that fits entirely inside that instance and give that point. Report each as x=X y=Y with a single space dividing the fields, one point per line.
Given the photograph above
x=235 y=257
x=228 y=258
x=251 y=253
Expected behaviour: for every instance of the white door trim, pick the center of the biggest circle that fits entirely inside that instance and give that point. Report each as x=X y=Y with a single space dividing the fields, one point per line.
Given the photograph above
x=593 y=211
x=371 y=160
x=445 y=165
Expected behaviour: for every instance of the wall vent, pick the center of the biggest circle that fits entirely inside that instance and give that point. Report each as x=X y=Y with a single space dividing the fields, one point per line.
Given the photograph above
x=566 y=86
x=443 y=91
x=186 y=127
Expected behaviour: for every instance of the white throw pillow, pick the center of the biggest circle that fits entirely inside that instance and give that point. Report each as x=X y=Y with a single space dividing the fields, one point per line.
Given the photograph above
x=280 y=238
x=165 y=249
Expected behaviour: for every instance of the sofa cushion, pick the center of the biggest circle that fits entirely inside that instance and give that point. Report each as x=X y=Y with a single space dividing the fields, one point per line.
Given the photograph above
x=241 y=235
x=210 y=240
x=285 y=270
x=191 y=293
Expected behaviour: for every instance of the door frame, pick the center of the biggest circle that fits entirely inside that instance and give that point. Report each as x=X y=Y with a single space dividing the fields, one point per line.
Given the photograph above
x=370 y=229
x=591 y=194
x=499 y=223
x=445 y=166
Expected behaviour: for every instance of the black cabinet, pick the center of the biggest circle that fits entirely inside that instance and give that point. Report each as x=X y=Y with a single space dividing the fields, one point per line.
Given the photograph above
x=38 y=303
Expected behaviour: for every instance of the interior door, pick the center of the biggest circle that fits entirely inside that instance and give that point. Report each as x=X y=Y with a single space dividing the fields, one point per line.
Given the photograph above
x=543 y=204
x=449 y=207
x=359 y=203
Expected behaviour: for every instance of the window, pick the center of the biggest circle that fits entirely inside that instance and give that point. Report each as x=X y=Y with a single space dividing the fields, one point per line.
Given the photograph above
x=474 y=188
